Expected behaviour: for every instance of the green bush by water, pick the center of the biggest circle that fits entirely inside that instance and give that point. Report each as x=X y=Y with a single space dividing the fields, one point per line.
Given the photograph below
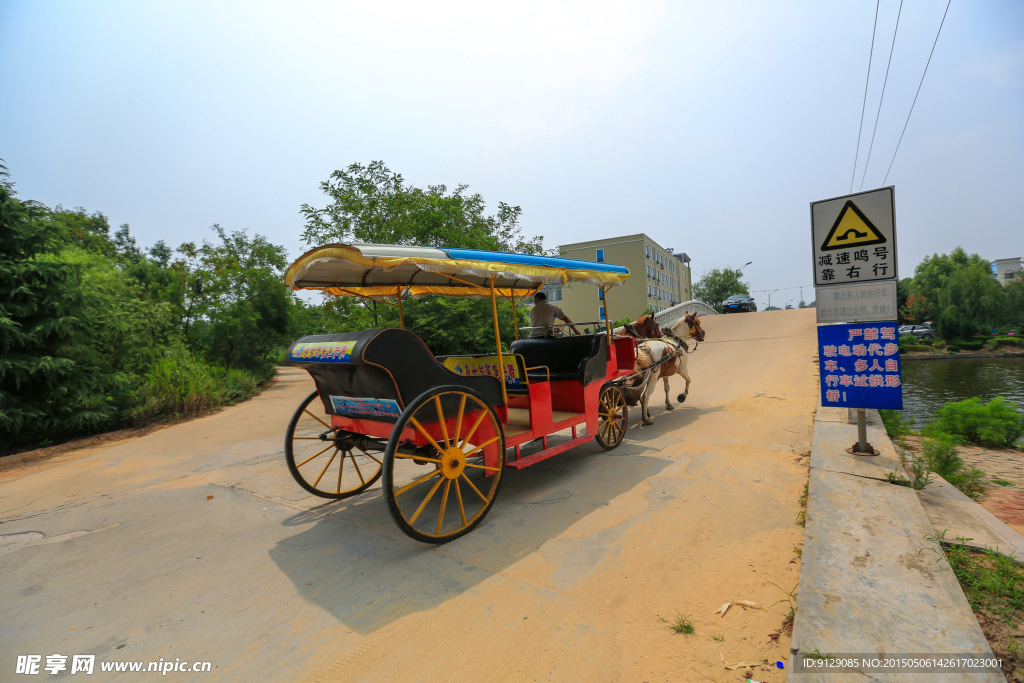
x=1009 y=341
x=996 y=424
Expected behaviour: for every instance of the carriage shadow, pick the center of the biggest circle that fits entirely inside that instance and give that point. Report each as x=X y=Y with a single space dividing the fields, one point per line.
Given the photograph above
x=351 y=560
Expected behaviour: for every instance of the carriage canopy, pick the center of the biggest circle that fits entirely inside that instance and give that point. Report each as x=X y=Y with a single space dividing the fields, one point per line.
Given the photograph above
x=378 y=270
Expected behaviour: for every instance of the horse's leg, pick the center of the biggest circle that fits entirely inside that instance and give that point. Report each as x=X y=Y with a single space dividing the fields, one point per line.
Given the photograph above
x=645 y=399
x=685 y=375
x=668 y=403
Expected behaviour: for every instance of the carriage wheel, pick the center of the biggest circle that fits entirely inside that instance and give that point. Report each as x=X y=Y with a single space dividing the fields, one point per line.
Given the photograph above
x=467 y=455
x=612 y=416
x=323 y=460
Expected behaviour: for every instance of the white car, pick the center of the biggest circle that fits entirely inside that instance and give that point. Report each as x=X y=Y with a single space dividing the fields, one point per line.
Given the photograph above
x=922 y=331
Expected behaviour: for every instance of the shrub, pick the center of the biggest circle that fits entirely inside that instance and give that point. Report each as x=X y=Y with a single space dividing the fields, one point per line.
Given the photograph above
x=943 y=459
x=895 y=423
x=182 y=385
x=970 y=344
x=941 y=455
x=1010 y=341
x=997 y=423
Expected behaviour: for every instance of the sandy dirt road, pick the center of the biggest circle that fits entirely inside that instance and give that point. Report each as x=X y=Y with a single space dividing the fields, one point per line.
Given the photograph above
x=193 y=543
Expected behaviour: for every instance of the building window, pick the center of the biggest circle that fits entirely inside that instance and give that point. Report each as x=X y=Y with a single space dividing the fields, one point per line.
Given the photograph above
x=602 y=313
x=554 y=292
x=647 y=251
x=600 y=294
x=648 y=290
x=648 y=270
x=600 y=255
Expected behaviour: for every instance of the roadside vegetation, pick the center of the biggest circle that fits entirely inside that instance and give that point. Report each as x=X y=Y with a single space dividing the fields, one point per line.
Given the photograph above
x=98 y=333
x=969 y=308
x=996 y=424
x=994 y=586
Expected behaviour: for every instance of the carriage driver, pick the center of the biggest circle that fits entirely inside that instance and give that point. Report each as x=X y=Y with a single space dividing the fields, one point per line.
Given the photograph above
x=543 y=315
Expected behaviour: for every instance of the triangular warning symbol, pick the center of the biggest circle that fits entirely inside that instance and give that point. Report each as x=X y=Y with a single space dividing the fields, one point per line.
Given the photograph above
x=852 y=228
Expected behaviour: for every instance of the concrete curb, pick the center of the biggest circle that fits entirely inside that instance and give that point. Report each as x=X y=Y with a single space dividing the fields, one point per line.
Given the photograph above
x=869 y=583
x=950 y=510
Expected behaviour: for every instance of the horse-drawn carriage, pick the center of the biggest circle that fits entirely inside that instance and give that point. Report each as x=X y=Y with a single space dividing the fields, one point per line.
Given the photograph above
x=441 y=431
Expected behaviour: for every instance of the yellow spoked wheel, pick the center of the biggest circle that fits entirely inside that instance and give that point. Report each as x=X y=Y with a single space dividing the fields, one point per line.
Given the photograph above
x=443 y=464
x=612 y=417
x=326 y=461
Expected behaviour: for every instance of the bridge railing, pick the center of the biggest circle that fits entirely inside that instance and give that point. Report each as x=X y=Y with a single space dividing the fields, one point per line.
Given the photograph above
x=670 y=316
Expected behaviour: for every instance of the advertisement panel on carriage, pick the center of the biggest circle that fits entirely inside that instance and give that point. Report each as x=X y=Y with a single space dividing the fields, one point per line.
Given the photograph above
x=322 y=352
x=476 y=366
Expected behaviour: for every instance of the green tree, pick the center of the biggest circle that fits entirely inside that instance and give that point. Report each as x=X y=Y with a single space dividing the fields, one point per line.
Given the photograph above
x=47 y=386
x=931 y=274
x=717 y=285
x=1013 y=314
x=234 y=309
x=970 y=292
x=373 y=204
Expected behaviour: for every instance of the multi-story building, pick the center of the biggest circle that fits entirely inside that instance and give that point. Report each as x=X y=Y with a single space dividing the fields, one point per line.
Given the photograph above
x=659 y=279
x=1005 y=270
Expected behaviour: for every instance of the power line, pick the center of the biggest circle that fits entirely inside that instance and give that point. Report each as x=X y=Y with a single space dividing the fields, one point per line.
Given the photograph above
x=860 y=129
x=882 y=98
x=918 y=90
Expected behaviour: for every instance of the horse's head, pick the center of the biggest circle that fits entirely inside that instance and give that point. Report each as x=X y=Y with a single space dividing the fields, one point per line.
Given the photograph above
x=647 y=327
x=630 y=330
x=696 y=331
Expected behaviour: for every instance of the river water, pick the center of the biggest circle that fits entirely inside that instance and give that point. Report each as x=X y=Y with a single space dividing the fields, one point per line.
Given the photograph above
x=929 y=384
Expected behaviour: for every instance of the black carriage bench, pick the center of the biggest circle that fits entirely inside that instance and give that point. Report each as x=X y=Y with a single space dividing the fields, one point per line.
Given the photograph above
x=375 y=374
x=582 y=358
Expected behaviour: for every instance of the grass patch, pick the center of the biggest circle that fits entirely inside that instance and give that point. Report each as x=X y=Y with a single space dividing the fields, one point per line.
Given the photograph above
x=180 y=384
x=681 y=624
x=896 y=478
x=994 y=586
x=1002 y=482
x=799 y=550
x=801 y=516
x=790 y=599
x=814 y=654
x=718 y=637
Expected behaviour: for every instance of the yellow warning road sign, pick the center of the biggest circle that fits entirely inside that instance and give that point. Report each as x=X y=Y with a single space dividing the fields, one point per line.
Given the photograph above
x=852 y=228
x=853 y=238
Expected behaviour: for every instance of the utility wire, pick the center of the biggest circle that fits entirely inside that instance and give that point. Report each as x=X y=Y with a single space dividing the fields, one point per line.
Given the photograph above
x=918 y=89
x=860 y=129
x=882 y=98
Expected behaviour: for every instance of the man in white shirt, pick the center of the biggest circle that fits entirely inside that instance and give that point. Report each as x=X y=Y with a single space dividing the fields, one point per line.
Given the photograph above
x=544 y=315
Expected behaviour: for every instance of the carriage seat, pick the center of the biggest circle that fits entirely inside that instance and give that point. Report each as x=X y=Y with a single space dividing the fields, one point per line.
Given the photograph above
x=374 y=374
x=582 y=357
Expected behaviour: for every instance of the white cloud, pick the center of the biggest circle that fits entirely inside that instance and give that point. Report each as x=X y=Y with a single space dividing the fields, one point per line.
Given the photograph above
x=1004 y=68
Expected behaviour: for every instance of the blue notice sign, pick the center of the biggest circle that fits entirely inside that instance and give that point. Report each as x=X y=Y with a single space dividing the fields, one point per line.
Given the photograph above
x=860 y=366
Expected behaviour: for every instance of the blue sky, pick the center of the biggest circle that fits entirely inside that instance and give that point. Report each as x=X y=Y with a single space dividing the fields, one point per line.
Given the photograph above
x=709 y=126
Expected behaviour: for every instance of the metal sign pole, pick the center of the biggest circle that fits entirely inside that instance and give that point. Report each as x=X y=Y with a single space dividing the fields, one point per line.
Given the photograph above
x=863 y=447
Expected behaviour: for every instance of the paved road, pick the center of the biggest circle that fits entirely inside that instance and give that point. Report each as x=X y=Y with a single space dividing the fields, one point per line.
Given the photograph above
x=193 y=543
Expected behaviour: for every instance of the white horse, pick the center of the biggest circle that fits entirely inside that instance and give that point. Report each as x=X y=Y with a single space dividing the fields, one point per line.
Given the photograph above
x=673 y=350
